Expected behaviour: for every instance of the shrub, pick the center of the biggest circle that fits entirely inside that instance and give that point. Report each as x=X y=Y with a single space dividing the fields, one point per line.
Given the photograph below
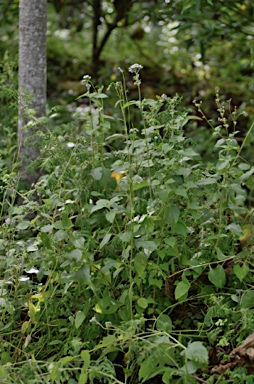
x=132 y=263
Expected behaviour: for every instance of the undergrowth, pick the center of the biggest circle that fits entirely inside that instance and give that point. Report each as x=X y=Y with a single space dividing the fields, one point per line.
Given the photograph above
x=130 y=260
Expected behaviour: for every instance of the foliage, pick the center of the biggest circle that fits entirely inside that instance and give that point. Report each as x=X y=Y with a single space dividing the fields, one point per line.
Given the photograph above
x=131 y=260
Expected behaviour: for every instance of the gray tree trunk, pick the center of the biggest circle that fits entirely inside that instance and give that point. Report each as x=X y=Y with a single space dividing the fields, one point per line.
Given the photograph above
x=32 y=80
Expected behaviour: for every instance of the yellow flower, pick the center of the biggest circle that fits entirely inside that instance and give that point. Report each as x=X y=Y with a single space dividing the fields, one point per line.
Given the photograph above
x=118 y=176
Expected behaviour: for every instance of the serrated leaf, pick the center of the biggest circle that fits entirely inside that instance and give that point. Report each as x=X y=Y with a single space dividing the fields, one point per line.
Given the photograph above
x=197 y=352
x=217 y=276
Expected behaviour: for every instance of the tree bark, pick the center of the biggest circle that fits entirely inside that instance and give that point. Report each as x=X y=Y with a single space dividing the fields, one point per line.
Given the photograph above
x=32 y=80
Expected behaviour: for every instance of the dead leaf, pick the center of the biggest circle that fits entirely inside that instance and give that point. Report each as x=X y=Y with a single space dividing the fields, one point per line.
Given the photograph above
x=240 y=356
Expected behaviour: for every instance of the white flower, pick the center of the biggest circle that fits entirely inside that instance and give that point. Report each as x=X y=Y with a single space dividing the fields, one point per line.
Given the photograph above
x=86 y=79
x=134 y=68
x=8 y=221
x=120 y=69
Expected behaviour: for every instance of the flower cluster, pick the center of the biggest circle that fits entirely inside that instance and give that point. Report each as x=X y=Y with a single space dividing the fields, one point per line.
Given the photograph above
x=135 y=68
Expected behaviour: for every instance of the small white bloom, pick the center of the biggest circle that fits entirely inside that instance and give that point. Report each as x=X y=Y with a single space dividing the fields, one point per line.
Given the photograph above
x=134 y=68
x=8 y=221
x=86 y=78
x=32 y=270
x=69 y=201
x=70 y=145
x=120 y=69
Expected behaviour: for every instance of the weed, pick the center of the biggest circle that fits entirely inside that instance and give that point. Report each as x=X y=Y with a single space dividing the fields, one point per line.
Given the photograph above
x=135 y=261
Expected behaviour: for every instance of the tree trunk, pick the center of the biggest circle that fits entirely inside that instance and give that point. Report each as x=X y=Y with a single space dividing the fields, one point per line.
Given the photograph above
x=32 y=80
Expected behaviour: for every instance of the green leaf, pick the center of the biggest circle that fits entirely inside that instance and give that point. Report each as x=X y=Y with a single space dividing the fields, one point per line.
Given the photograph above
x=47 y=228
x=142 y=302
x=241 y=271
x=66 y=222
x=164 y=323
x=3 y=372
x=172 y=214
x=157 y=282
x=182 y=289
x=96 y=173
x=96 y=95
x=65 y=360
x=197 y=352
x=179 y=228
x=83 y=377
x=76 y=254
x=217 y=276
x=206 y=181
x=107 y=306
x=85 y=356
x=55 y=373
x=23 y=225
x=125 y=236
x=247 y=300
x=147 y=367
x=140 y=262
x=83 y=275
x=110 y=216
x=137 y=186
x=171 y=241
x=100 y=204
x=188 y=4
x=46 y=240
x=79 y=318
x=180 y=191
x=105 y=240
x=5 y=358
x=149 y=246
x=25 y=327
x=235 y=229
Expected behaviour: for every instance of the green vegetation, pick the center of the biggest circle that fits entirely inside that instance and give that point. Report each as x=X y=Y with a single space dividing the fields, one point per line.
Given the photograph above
x=132 y=257
x=130 y=260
